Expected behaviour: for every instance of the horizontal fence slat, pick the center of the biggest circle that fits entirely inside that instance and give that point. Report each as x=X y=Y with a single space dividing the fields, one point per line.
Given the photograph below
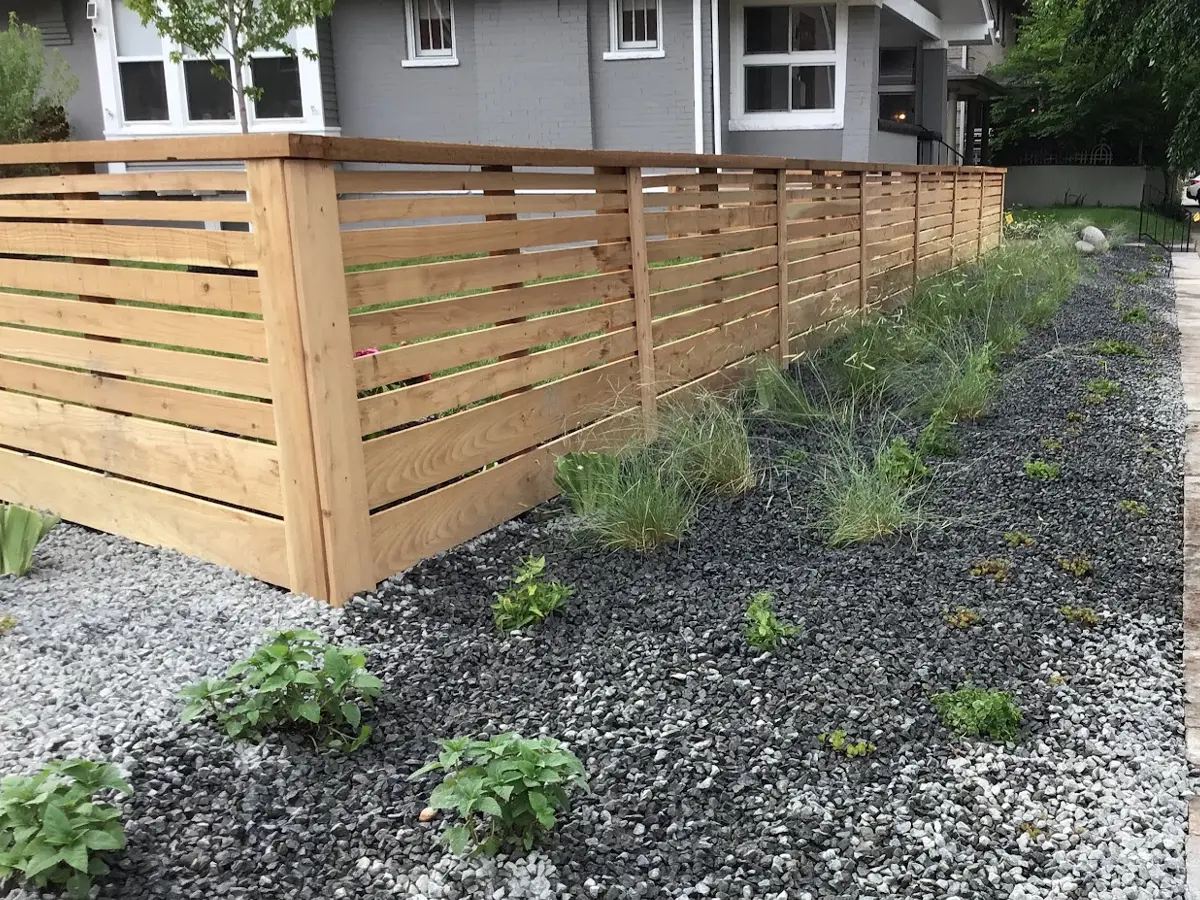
x=676 y=301
x=381 y=181
x=713 y=315
x=213 y=466
x=129 y=210
x=229 y=293
x=685 y=360
x=430 y=454
x=187 y=182
x=223 y=334
x=397 y=208
x=705 y=244
x=234 y=376
x=665 y=278
x=688 y=199
x=212 y=411
x=818 y=309
x=179 y=246
x=242 y=540
x=806 y=265
x=686 y=221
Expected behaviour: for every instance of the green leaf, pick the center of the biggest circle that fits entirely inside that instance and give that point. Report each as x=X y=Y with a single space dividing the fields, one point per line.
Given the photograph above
x=351 y=713
x=56 y=827
x=491 y=807
x=45 y=859
x=75 y=856
x=104 y=840
x=309 y=711
x=457 y=837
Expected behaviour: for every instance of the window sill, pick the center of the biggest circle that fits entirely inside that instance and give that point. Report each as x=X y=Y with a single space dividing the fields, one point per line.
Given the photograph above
x=430 y=63
x=611 y=55
x=169 y=129
x=785 y=122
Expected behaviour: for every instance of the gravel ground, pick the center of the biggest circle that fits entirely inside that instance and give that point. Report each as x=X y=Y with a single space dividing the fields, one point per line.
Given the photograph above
x=708 y=779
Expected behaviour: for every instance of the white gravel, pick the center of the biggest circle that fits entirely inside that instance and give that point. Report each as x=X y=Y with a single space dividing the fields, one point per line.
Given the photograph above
x=107 y=633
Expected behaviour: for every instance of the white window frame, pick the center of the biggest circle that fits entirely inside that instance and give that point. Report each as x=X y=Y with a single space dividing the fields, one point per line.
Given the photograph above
x=178 y=124
x=417 y=58
x=643 y=49
x=791 y=120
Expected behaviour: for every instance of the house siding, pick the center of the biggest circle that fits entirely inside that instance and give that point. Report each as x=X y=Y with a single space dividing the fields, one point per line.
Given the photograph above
x=329 y=104
x=644 y=104
x=706 y=79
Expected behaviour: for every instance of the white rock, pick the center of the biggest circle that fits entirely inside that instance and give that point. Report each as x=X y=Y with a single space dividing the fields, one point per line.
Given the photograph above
x=1095 y=237
x=1084 y=247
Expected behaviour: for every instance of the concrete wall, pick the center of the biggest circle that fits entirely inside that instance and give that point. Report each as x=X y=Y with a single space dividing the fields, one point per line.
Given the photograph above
x=84 y=110
x=887 y=146
x=1099 y=185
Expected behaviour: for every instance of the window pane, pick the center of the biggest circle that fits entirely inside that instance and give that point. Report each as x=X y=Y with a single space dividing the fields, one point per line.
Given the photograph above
x=434 y=32
x=898 y=107
x=637 y=23
x=897 y=65
x=279 y=78
x=766 y=29
x=813 y=27
x=652 y=22
x=134 y=38
x=812 y=87
x=144 y=91
x=208 y=97
x=766 y=88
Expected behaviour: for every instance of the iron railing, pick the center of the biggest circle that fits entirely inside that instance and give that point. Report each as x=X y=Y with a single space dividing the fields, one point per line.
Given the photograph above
x=1164 y=221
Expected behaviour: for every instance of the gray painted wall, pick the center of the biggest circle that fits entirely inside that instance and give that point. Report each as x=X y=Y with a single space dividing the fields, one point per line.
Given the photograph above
x=1099 y=185
x=84 y=110
x=887 y=146
x=862 y=83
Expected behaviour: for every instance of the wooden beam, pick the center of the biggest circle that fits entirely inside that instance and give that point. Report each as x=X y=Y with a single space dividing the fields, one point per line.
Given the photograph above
x=916 y=234
x=643 y=321
x=781 y=204
x=862 y=240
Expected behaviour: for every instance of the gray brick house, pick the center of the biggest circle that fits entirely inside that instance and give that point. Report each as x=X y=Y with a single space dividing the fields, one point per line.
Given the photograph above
x=847 y=79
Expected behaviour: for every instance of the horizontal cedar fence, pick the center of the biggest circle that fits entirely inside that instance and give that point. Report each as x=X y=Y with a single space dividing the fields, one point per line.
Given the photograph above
x=320 y=360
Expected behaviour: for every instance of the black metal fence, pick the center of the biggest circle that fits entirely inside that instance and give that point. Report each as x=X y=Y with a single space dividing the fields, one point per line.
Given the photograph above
x=1164 y=221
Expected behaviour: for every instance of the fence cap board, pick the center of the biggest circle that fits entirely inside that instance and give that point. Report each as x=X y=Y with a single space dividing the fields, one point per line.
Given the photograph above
x=386 y=151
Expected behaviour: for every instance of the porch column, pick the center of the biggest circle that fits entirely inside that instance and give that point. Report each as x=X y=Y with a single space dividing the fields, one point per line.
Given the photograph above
x=861 y=115
x=931 y=93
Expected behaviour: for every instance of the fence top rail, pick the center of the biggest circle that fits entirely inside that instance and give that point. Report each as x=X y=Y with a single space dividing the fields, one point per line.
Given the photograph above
x=396 y=152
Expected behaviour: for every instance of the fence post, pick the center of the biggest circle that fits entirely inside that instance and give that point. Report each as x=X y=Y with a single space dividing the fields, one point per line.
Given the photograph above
x=954 y=220
x=643 y=316
x=311 y=361
x=916 y=232
x=979 y=247
x=781 y=238
x=862 y=240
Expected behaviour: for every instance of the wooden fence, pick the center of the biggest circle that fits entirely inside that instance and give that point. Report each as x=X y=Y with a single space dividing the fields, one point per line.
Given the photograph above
x=319 y=360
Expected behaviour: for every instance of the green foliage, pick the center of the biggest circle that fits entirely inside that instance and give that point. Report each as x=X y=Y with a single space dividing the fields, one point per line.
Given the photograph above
x=1134 y=315
x=794 y=456
x=776 y=396
x=1076 y=418
x=897 y=462
x=972 y=711
x=1110 y=347
x=21 y=530
x=1017 y=539
x=53 y=832
x=996 y=568
x=507 y=790
x=1079 y=566
x=764 y=630
x=646 y=505
x=1137 y=277
x=1083 y=616
x=296 y=681
x=529 y=598
x=961 y=617
x=1029 y=227
x=839 y=742
x=1051 y=443
x=35 y=86
x=586 y=479
x=7 y=624
x=936 y=438
x=860 y=500
x=1133 y=508
x=1100 y=390
x=961 y=384
x=232 y=30
x=1040 y=470
x=706 y=445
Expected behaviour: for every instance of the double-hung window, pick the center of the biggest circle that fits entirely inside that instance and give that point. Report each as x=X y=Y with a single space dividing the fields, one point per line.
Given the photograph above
x=898 y=84
x=788 y=65
x=430 y=30
x=635 y=29
x=141 y=68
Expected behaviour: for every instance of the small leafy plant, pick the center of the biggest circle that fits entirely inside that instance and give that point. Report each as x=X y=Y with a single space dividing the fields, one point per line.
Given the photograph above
x=1139 y=276
x=1135 y=315
x=1110 y=347
x=1051 y=443
x=898 y=463
x=764 y=630
x=1079 y=566
x=962 y=617
x=1016 y=539
x=7 y=624
x=973 y=711
x=936 y=438
x=1104 y=388
x=1040 y=470
x=53 y=830
x=1076 y=418
x=1133 y=508
x=21 y=530
x=1031 y=831
x=996 y=568
x=529 y=598
x=506 y=790
x=296 y=681
x=1084 y=616
x=839 y=742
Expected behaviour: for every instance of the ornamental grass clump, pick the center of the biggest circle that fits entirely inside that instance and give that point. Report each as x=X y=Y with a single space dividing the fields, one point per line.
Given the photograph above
x=861 y=499
x=54 y=832
x=960 y=383
x=775 y=396
x=507 y=790
x=21 y=530
x=973 y=712
x=706 y=446
x=294 y=682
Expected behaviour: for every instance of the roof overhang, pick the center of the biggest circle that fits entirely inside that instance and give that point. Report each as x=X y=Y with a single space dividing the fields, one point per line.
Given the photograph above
x=952 y=22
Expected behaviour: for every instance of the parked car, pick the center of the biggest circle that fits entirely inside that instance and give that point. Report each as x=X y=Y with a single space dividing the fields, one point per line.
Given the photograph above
x=1191 y=187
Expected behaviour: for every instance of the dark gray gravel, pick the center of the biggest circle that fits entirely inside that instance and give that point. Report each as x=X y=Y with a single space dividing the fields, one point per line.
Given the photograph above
x=708 y=778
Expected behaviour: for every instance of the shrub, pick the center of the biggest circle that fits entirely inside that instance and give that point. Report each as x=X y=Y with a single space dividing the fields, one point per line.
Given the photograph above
x=962 y=617
x=1084 y=616
x=1079 y=566
x=764 y=630
x=778 y=397
x=1040 y=470
x=585 y=479
x=53 y=830
x=1017 y=539
x=897 y=462
x=996 y=568
x=296 y=681
x=936 y=438
x=648 y=504
x=37 y=86
x=839 y=742
x=706 y=445
x=529 y=598
x=1109 y=347
x=506 y=789
x=7 y=624
x=859 y=500
x=21 y=530
x=1133 y=508
x=972 y=711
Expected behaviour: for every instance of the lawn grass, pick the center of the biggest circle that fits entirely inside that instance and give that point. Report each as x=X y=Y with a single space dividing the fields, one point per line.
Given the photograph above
x=1103 y=217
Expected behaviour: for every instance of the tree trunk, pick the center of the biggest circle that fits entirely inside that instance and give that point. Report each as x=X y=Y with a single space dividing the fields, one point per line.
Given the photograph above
x=239 y=91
